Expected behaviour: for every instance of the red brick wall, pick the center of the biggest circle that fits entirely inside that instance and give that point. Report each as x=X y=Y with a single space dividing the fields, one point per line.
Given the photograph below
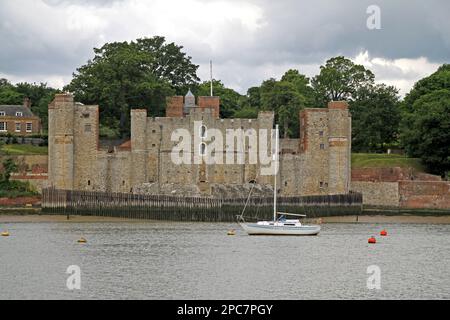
x=210 y=102
x=7 y=202
x=381 y=174
x=415 y=190
x=174 y=108
x=424 y=194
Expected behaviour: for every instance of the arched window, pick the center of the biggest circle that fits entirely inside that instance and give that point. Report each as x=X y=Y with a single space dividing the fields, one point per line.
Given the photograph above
x=202 y=149
x=203 y=131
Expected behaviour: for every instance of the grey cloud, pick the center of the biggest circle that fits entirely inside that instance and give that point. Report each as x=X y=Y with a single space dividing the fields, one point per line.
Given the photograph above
x=291 y=33
x=81 y=2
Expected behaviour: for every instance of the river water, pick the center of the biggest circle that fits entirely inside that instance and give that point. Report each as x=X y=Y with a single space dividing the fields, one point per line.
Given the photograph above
x=159 y=260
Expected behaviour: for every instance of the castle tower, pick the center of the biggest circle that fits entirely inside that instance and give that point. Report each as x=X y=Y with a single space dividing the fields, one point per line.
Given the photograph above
x=61 y=141
x=339 y=137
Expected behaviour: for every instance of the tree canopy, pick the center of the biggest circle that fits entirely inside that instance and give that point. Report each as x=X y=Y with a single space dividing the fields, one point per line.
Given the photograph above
x=425 y=126
x=339 y=79
x=375 y=118
x=138 y=74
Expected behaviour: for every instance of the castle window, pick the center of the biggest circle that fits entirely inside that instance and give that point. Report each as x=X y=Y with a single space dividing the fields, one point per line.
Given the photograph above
x=89 y=182
x=202 y=149
x=321 y=133
x=322 y=146
x=203 y=130
x=87 y=128
x=3 y=127
x=85 y=115
x=153 y=145
x=153 y=131
x=18 y=127
x=2 y=113
x=285 y=183
x=19 y=114
x=321 y=185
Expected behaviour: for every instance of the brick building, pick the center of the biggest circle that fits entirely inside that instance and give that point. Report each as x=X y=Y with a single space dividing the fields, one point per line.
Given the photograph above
x=19 y=120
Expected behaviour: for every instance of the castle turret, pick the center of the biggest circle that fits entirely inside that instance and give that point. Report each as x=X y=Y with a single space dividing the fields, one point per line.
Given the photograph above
x=189 y=102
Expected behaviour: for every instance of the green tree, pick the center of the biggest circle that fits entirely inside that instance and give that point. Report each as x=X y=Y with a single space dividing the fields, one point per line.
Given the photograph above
x=137 y=74
x=9 y=94
x=340 y=79
x=425 y=125
x=301 y=84
x=375 y=118
x=283 y=98
x=9 y=167
x=437 y=81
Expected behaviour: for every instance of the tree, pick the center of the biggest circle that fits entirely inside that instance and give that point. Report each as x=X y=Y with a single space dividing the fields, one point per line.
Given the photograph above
x=9 y=94
x=425 y=125
x=375 y=118
x=340 y=79
x=9 y=167
x=438 y=80
x=169 y=62
x=283 y=98
x=301 y=84
x=136 y=74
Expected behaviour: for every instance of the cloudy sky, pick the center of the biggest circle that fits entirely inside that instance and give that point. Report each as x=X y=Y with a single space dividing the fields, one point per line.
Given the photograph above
x=248 y=40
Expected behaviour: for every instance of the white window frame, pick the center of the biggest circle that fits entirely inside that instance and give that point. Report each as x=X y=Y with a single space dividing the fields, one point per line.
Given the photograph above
x=20 y=126
x=19 y=114
x=31 y=127
x=2 y=113
x=5 y=126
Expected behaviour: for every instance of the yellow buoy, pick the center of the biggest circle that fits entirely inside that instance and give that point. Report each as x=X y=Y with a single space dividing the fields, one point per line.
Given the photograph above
x=5 y=234
x=232 y=233
x=82 y=240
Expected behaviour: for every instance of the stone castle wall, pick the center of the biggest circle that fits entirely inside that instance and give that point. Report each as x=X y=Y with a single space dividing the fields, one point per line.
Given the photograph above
x=317 y=163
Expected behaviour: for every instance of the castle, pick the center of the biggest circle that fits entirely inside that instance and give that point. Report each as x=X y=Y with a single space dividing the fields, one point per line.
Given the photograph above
x=317 y=163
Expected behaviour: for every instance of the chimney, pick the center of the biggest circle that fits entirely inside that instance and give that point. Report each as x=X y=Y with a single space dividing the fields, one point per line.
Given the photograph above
x=27 y=103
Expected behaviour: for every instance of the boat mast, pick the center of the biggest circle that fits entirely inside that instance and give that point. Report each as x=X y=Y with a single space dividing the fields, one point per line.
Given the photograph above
x=275 y=158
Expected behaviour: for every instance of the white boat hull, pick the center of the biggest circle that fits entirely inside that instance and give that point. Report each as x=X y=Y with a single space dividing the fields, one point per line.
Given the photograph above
x=254 y=229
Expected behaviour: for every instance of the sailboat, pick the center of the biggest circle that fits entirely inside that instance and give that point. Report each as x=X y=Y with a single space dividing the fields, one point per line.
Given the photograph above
x=280 y=225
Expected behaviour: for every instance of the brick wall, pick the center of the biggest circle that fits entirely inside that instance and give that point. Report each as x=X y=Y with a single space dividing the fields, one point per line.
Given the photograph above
x=174 y=106
x=210 y=102
x=11 y=127
x=424 y=194
x=401 y=187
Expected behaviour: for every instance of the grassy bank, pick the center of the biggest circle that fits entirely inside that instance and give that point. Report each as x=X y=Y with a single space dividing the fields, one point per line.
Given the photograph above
x=22 y=149
x=365 y=160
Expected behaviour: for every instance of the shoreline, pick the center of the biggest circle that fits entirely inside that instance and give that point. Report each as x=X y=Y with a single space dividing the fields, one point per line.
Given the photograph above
x=379 y=218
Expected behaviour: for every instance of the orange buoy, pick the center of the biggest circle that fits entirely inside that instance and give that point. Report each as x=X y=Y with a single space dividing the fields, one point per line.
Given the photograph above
x=383 y=233
x=372 y=240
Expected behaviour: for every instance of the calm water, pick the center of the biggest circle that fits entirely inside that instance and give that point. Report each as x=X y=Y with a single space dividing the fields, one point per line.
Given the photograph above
x=155 y=260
